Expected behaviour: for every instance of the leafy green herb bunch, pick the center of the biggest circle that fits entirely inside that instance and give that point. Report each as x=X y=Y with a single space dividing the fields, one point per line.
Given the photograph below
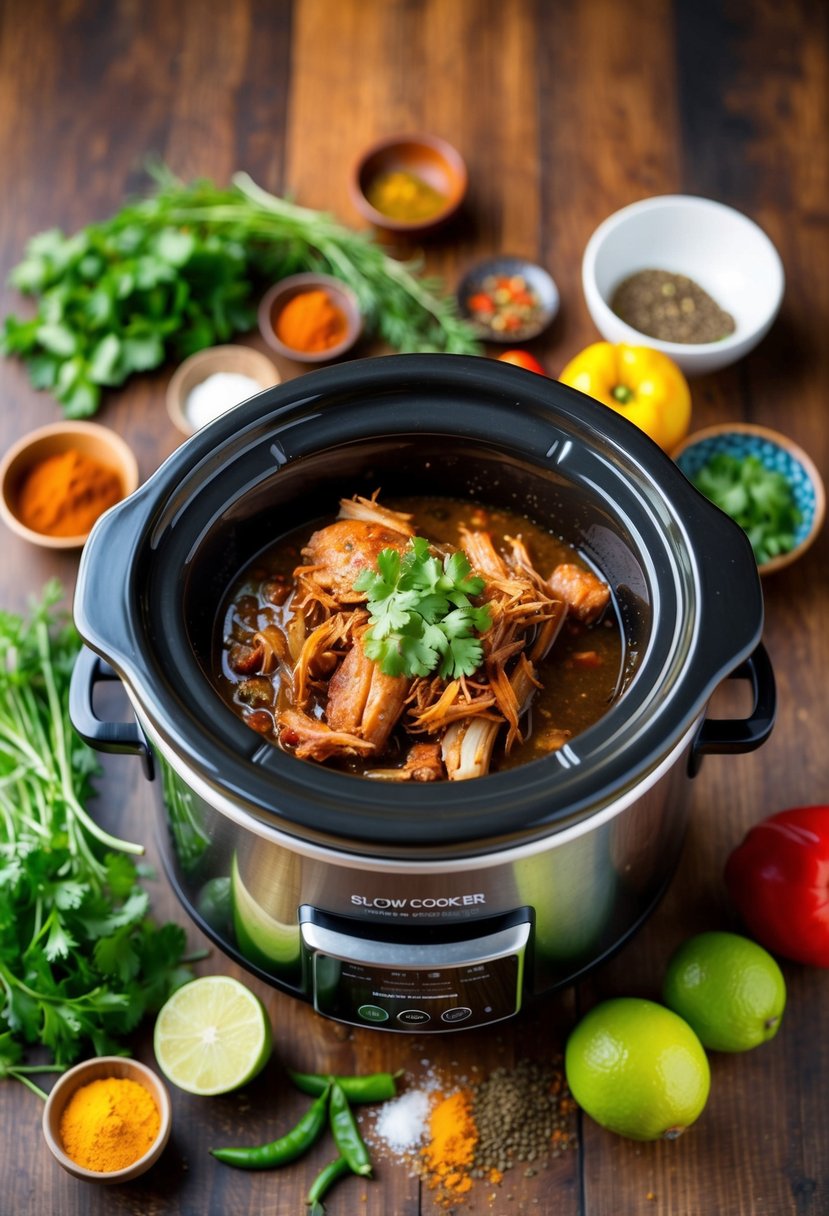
x=80 y=959
x=182 y=269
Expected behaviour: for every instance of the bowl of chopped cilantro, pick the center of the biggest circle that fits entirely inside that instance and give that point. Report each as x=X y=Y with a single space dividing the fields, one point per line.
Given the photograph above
x=764 y=481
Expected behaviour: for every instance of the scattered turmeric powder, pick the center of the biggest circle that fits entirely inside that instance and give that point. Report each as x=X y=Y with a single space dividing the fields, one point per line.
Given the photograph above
x=477 y=1134
x=451 y=1148
x=310 y=322
x=109 y=1123
x=64 y=494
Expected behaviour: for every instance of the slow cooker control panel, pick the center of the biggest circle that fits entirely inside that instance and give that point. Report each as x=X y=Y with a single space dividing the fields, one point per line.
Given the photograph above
x=410 y=986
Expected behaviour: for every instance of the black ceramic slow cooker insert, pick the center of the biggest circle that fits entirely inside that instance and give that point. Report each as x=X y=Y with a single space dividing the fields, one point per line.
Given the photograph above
x=550 y=864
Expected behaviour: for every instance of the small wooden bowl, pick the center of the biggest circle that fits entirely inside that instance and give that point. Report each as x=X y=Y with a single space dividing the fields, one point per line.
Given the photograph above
x=341 y=295
x=98 y=442
x=428 y=157
x=235 y=360
x=776 y=452
x=96 y=1070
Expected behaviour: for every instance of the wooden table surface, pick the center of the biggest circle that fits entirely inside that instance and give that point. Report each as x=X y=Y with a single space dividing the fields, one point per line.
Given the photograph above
x=564 y=112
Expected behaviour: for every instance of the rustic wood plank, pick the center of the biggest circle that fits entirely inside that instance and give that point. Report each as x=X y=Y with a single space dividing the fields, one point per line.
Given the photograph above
x=459 y=71
x=750 y=1151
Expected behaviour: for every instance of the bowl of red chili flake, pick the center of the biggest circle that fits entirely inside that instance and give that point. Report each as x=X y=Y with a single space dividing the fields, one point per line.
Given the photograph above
x=508 y=299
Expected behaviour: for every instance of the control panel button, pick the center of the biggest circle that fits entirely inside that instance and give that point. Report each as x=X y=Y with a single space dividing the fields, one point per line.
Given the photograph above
x=413 y=1017
x=459 y=1014
x=373 y=1013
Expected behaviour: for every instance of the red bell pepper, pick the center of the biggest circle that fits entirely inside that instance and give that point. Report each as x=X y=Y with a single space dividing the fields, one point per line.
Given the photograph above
x=522 y=359
x=778 y=879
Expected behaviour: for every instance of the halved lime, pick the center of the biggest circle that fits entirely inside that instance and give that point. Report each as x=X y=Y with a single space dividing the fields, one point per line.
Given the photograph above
x=212 y=1036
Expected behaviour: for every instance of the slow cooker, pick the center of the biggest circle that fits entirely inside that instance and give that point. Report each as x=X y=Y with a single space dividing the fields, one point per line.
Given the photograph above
x=448 y=905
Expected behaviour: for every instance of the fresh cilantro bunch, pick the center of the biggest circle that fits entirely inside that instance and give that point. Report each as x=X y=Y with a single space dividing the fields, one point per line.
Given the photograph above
x=760 y=500
x=80 y=962
x=184 y=269
x=120 y=297
x=421 y=617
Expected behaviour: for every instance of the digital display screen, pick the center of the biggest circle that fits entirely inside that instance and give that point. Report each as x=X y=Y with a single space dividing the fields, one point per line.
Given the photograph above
x=418 y=998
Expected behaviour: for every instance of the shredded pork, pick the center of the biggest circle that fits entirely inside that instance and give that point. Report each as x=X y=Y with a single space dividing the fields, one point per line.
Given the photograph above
x=334 y=702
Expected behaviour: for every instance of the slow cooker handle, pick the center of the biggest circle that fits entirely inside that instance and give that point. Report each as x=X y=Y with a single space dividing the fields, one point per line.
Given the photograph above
x=724 y=735
x=122 y=737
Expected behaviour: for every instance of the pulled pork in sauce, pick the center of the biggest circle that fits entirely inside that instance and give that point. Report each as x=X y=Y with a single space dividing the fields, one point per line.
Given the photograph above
x=298 y=672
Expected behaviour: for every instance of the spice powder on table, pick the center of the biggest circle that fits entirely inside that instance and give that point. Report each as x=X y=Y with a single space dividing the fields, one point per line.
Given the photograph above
x=670 y=307
x=515 y=1116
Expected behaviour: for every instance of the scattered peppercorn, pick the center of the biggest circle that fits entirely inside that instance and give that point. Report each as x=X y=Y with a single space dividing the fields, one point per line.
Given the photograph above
x=482 y=1129
x=670 y=307
x=520 y=1117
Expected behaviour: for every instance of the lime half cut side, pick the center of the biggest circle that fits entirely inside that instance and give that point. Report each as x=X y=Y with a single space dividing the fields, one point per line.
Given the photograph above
x=212 y=1036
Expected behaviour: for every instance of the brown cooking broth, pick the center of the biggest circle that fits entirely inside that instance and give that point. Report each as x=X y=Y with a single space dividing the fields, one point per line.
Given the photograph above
x=580 y=677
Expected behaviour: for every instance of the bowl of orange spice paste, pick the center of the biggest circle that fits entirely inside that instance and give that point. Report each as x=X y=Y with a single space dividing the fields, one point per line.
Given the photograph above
x=311 y=318
x=107 y=1119
x=56 y=481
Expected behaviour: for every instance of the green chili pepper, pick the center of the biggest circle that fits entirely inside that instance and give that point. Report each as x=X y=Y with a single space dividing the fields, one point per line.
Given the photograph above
x=287 y=1148
x=346 y=1133
x=376 y=1087
x=323 y=1182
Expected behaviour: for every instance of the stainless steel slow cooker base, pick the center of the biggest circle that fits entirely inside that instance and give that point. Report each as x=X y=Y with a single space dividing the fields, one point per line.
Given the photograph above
x=434 y=946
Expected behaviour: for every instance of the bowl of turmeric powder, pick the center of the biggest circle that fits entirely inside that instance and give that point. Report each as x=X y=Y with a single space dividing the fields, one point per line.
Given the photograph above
x=107 y=1119
x=57 y=480
x=311 y=318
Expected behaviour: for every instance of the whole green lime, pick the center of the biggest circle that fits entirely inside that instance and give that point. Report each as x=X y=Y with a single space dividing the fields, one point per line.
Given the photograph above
x=728 y=988
x=637 y=1069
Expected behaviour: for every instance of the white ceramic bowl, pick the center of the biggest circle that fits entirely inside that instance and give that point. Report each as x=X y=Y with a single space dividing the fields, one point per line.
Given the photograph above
x=723 y=251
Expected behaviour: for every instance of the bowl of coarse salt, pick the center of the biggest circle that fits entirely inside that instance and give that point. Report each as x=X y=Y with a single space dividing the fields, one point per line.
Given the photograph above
x=212 y=381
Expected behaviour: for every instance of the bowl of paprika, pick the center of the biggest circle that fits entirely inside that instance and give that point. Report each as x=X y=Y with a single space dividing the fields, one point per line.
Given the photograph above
x=57 y=480
x=311 y=318
x=107 y=1119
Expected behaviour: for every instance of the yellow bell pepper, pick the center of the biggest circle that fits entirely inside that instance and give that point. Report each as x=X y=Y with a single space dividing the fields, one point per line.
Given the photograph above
x=643 y=385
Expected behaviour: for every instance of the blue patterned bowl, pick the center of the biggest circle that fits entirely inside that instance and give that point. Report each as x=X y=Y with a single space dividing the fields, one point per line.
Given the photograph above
x=774 y=451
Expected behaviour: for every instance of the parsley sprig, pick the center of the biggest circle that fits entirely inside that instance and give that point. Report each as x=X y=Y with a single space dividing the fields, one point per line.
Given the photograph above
x=80 y=960
x=759 y=499
x=421 y=615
